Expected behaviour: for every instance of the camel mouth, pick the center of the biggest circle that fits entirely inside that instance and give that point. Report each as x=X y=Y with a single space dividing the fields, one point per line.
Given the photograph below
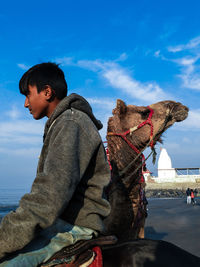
x=181 y=113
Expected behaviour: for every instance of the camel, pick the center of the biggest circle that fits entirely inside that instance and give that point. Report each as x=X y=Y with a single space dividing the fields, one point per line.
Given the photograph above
x=130 y=130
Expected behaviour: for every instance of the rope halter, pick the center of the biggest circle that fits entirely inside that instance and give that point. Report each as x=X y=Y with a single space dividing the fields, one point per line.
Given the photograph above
x=131 y=130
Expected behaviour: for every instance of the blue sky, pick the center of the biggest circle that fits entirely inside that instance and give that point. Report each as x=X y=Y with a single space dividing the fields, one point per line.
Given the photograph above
x=140 y=51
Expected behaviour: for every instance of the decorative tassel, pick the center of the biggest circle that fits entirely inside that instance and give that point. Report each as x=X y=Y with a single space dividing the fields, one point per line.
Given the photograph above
x=154 y=155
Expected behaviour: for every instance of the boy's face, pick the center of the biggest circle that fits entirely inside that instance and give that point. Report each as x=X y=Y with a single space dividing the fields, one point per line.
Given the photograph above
x=36 y=102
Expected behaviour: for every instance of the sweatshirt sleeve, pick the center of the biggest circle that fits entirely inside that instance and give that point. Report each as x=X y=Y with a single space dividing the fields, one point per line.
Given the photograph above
x=64 y=163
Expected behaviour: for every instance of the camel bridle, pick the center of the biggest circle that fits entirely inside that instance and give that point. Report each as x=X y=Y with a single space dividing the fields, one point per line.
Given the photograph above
x=133 y=129
x=133 y=147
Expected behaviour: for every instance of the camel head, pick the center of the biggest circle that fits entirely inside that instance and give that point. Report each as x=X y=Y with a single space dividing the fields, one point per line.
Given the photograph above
x=127 y=117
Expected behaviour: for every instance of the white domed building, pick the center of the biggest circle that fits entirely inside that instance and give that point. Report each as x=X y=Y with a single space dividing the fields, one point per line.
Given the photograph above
x=165 y=170
x=168 y=174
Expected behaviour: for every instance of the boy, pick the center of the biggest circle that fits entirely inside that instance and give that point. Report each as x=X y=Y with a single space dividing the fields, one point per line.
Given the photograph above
x=67 y=200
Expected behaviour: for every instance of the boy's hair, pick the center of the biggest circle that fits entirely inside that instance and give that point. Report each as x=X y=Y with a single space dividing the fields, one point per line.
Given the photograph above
x=42 y=75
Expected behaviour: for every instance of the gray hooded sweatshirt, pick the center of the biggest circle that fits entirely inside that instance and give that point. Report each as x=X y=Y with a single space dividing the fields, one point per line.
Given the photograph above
x=71 y=177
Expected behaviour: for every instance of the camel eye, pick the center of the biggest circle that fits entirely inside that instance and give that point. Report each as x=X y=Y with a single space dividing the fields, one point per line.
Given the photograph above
x=169 y=117
x=144 y=114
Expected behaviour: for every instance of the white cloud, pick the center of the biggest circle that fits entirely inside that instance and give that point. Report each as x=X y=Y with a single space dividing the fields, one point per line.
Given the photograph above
x=190 y=80
x=20 y=137
x=190 y=75
x=104 y=116
x=102 y=113
x=186 y=61
x=120 y=78
x=14 y=113
x=107 y=103
x=20 y=127
x=192 y=122
x=157 y=53
x=175 y=49
x=17 y=140
x=190 y=69
x=23 y=66
x=122 y=57
x=64 y=61
x=31 y=152
x=93 y=65
x=192 y=44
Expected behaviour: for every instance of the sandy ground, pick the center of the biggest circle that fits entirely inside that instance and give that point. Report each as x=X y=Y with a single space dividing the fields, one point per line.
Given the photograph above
x=174 y=221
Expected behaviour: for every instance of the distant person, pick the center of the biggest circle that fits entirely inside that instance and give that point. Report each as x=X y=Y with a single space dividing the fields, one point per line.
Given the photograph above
x=188 y=196
x=192 y=197
x=67 y=200
x=195 y=192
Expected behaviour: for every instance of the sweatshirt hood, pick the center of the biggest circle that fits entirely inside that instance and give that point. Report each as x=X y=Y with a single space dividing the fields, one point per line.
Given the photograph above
x=73 y=101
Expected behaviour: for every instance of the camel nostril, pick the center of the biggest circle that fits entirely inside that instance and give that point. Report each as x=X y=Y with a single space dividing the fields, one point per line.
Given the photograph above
x=181 y=113
x=186 y=108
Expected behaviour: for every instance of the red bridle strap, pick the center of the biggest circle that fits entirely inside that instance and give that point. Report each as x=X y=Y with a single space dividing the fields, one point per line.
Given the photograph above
x=123 y=136
x=131 y=130
x=148 y=121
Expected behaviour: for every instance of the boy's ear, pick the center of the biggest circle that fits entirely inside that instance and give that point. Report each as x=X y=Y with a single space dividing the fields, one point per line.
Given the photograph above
x=49 y=93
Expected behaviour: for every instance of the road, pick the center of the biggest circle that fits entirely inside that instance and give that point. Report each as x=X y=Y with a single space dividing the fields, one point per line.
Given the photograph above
x=174 y=221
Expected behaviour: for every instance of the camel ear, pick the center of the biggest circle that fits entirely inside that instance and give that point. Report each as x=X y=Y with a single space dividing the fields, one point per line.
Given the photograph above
x=121 y=107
